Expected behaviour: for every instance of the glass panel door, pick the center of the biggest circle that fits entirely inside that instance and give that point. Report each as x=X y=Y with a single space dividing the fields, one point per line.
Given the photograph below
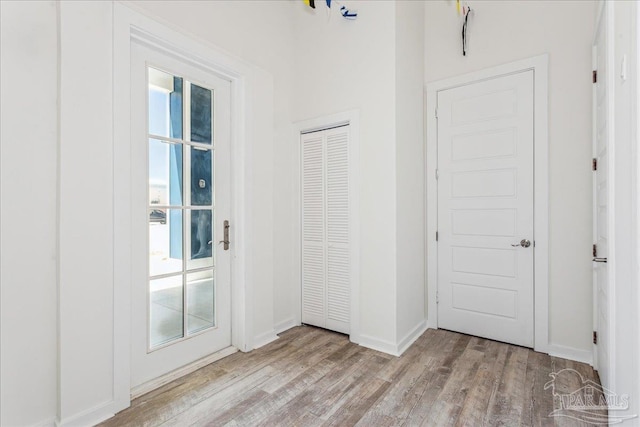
x=181 y=289
x=181 y=180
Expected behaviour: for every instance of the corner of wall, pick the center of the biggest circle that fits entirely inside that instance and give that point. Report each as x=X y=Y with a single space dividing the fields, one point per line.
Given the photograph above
x=577 y=354
x=264 y=339
x=394 y=348
x=409 y=169
x=285 y=325
x=412 y=336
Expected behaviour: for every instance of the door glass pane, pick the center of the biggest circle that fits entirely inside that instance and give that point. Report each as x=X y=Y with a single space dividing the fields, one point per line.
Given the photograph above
x=165 y=104
x=165 y=311
x=201 y=177
x=165 y=173
x=165 y=241
x=200 y=301
x=201 y=234
x=180 y=176
x=200 y=114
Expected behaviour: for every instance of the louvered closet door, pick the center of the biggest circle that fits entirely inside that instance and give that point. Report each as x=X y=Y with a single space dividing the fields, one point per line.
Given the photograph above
x=325 y=229
x=313 y=230
x=337 y=214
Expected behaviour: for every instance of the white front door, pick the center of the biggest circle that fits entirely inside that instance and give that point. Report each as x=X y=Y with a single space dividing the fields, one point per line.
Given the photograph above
x=485 y=208
x=602 y=129
x=181 y=304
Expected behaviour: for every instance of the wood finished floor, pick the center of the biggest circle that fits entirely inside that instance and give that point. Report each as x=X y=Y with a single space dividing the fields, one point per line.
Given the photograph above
x=313 y=377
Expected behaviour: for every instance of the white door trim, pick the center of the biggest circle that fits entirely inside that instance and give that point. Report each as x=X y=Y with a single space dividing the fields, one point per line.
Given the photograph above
x=130 y=25
x=605 y=23
x=352 y=118
x=539 y=65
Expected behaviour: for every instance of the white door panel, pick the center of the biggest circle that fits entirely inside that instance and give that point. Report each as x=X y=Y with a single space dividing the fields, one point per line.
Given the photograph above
x=483 y=222
x=313 y=231
x=338 y=257
x=601 y=131
x=181 y=295
x=326 y=265
x=483 y=183
x=485 y=205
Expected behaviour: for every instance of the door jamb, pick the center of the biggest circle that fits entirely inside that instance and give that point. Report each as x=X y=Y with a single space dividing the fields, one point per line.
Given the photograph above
x=594 y=231
x=352 y=118
x=539 y=65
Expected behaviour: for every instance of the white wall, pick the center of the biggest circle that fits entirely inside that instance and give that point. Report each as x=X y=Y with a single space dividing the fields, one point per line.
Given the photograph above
x=342 y=65
x=410 y=178
x=505 y=31
x=86 y=208
x=28 y=70
x=375 y=65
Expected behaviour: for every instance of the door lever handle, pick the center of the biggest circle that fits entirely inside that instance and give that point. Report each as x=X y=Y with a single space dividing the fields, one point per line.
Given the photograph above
x=599 y=260
x=226 y=235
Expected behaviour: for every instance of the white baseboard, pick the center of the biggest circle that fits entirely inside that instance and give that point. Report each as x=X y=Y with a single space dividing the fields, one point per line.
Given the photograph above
x=411 y=337
x=180 y=372
x=378 y=344
x=49 y=422
x=556 y=350
x=280 y=327
x=578 y=355
x=394 y=349
x=89 y=417
x=264 y=339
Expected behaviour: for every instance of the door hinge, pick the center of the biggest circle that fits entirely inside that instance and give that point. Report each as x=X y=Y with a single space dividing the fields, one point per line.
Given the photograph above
x=437 y=174
x=436 y=113
x=595 y=250
x=436 y=236
x=595 y=76
x=594 y=164
x=437 y=298
x=595 y=337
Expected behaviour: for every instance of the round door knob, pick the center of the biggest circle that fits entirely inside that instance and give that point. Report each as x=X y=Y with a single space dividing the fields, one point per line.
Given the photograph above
x=524 y=243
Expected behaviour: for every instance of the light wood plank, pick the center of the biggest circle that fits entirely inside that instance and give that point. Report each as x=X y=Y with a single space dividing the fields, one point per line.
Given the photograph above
x=314 y=377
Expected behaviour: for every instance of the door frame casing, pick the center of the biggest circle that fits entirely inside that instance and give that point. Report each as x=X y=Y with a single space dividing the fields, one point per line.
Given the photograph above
x=539 y=65
x=351 y=118
x=604 y=23
x=129 y=26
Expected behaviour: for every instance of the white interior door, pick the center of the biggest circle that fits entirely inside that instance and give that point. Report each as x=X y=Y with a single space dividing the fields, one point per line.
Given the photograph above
x=485 y=209
x=326 y=265
x=601 y=131
x=181 y=304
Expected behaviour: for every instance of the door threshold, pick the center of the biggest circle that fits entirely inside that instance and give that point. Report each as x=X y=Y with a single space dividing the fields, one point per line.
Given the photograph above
x=145 y=388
